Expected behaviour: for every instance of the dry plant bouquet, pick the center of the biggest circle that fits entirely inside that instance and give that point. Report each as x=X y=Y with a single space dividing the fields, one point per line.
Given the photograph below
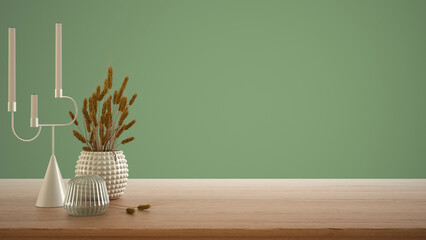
x=104 y=116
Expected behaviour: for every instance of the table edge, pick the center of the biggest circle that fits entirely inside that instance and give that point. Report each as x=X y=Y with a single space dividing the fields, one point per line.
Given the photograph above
x=235 y=233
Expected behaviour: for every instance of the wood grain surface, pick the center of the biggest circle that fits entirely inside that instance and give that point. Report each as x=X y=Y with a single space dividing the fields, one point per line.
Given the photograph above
x=230 y=209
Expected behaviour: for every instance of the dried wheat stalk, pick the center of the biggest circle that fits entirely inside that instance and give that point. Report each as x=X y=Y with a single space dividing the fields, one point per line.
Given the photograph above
x=104 y=115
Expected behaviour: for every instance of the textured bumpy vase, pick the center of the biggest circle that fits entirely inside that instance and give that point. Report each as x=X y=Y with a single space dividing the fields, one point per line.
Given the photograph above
x=86 y=196
x=111 y=166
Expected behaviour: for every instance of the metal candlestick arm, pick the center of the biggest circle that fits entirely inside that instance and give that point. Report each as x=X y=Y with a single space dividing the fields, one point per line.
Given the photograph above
x=64 y=124
x=46 y=125
x=16 y=135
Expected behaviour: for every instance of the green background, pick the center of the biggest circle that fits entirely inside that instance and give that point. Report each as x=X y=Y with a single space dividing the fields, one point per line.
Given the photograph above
x=229 y=88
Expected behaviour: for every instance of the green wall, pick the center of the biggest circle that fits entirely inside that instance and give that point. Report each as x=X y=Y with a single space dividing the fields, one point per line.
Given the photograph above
x=229 y=88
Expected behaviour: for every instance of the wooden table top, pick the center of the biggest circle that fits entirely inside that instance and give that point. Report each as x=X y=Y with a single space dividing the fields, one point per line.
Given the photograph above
x=230 y=208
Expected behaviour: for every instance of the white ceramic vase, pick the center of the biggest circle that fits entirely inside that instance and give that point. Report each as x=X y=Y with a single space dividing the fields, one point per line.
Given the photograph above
x=111 y=166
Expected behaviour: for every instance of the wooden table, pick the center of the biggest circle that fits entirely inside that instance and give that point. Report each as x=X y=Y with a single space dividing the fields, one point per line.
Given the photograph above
x=230 y=208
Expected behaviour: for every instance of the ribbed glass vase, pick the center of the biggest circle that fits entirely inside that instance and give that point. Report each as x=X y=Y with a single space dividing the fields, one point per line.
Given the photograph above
x=86 y=196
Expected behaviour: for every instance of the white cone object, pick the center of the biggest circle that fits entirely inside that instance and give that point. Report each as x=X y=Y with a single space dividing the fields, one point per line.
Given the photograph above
x=52 y=192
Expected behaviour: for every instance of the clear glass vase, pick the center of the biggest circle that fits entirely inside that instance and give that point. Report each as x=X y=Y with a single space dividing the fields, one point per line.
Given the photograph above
x=86 y=196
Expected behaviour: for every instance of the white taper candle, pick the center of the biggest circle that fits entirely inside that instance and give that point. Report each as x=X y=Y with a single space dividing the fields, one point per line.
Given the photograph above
x=11 y=106
x=58 y=61
x=34 y=106
x=34 y=111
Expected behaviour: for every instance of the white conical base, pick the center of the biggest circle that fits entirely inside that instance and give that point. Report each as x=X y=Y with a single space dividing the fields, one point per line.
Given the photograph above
x=52 y=192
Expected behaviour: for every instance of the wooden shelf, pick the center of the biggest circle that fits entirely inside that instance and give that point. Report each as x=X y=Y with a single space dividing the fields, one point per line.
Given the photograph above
x=230 y=208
